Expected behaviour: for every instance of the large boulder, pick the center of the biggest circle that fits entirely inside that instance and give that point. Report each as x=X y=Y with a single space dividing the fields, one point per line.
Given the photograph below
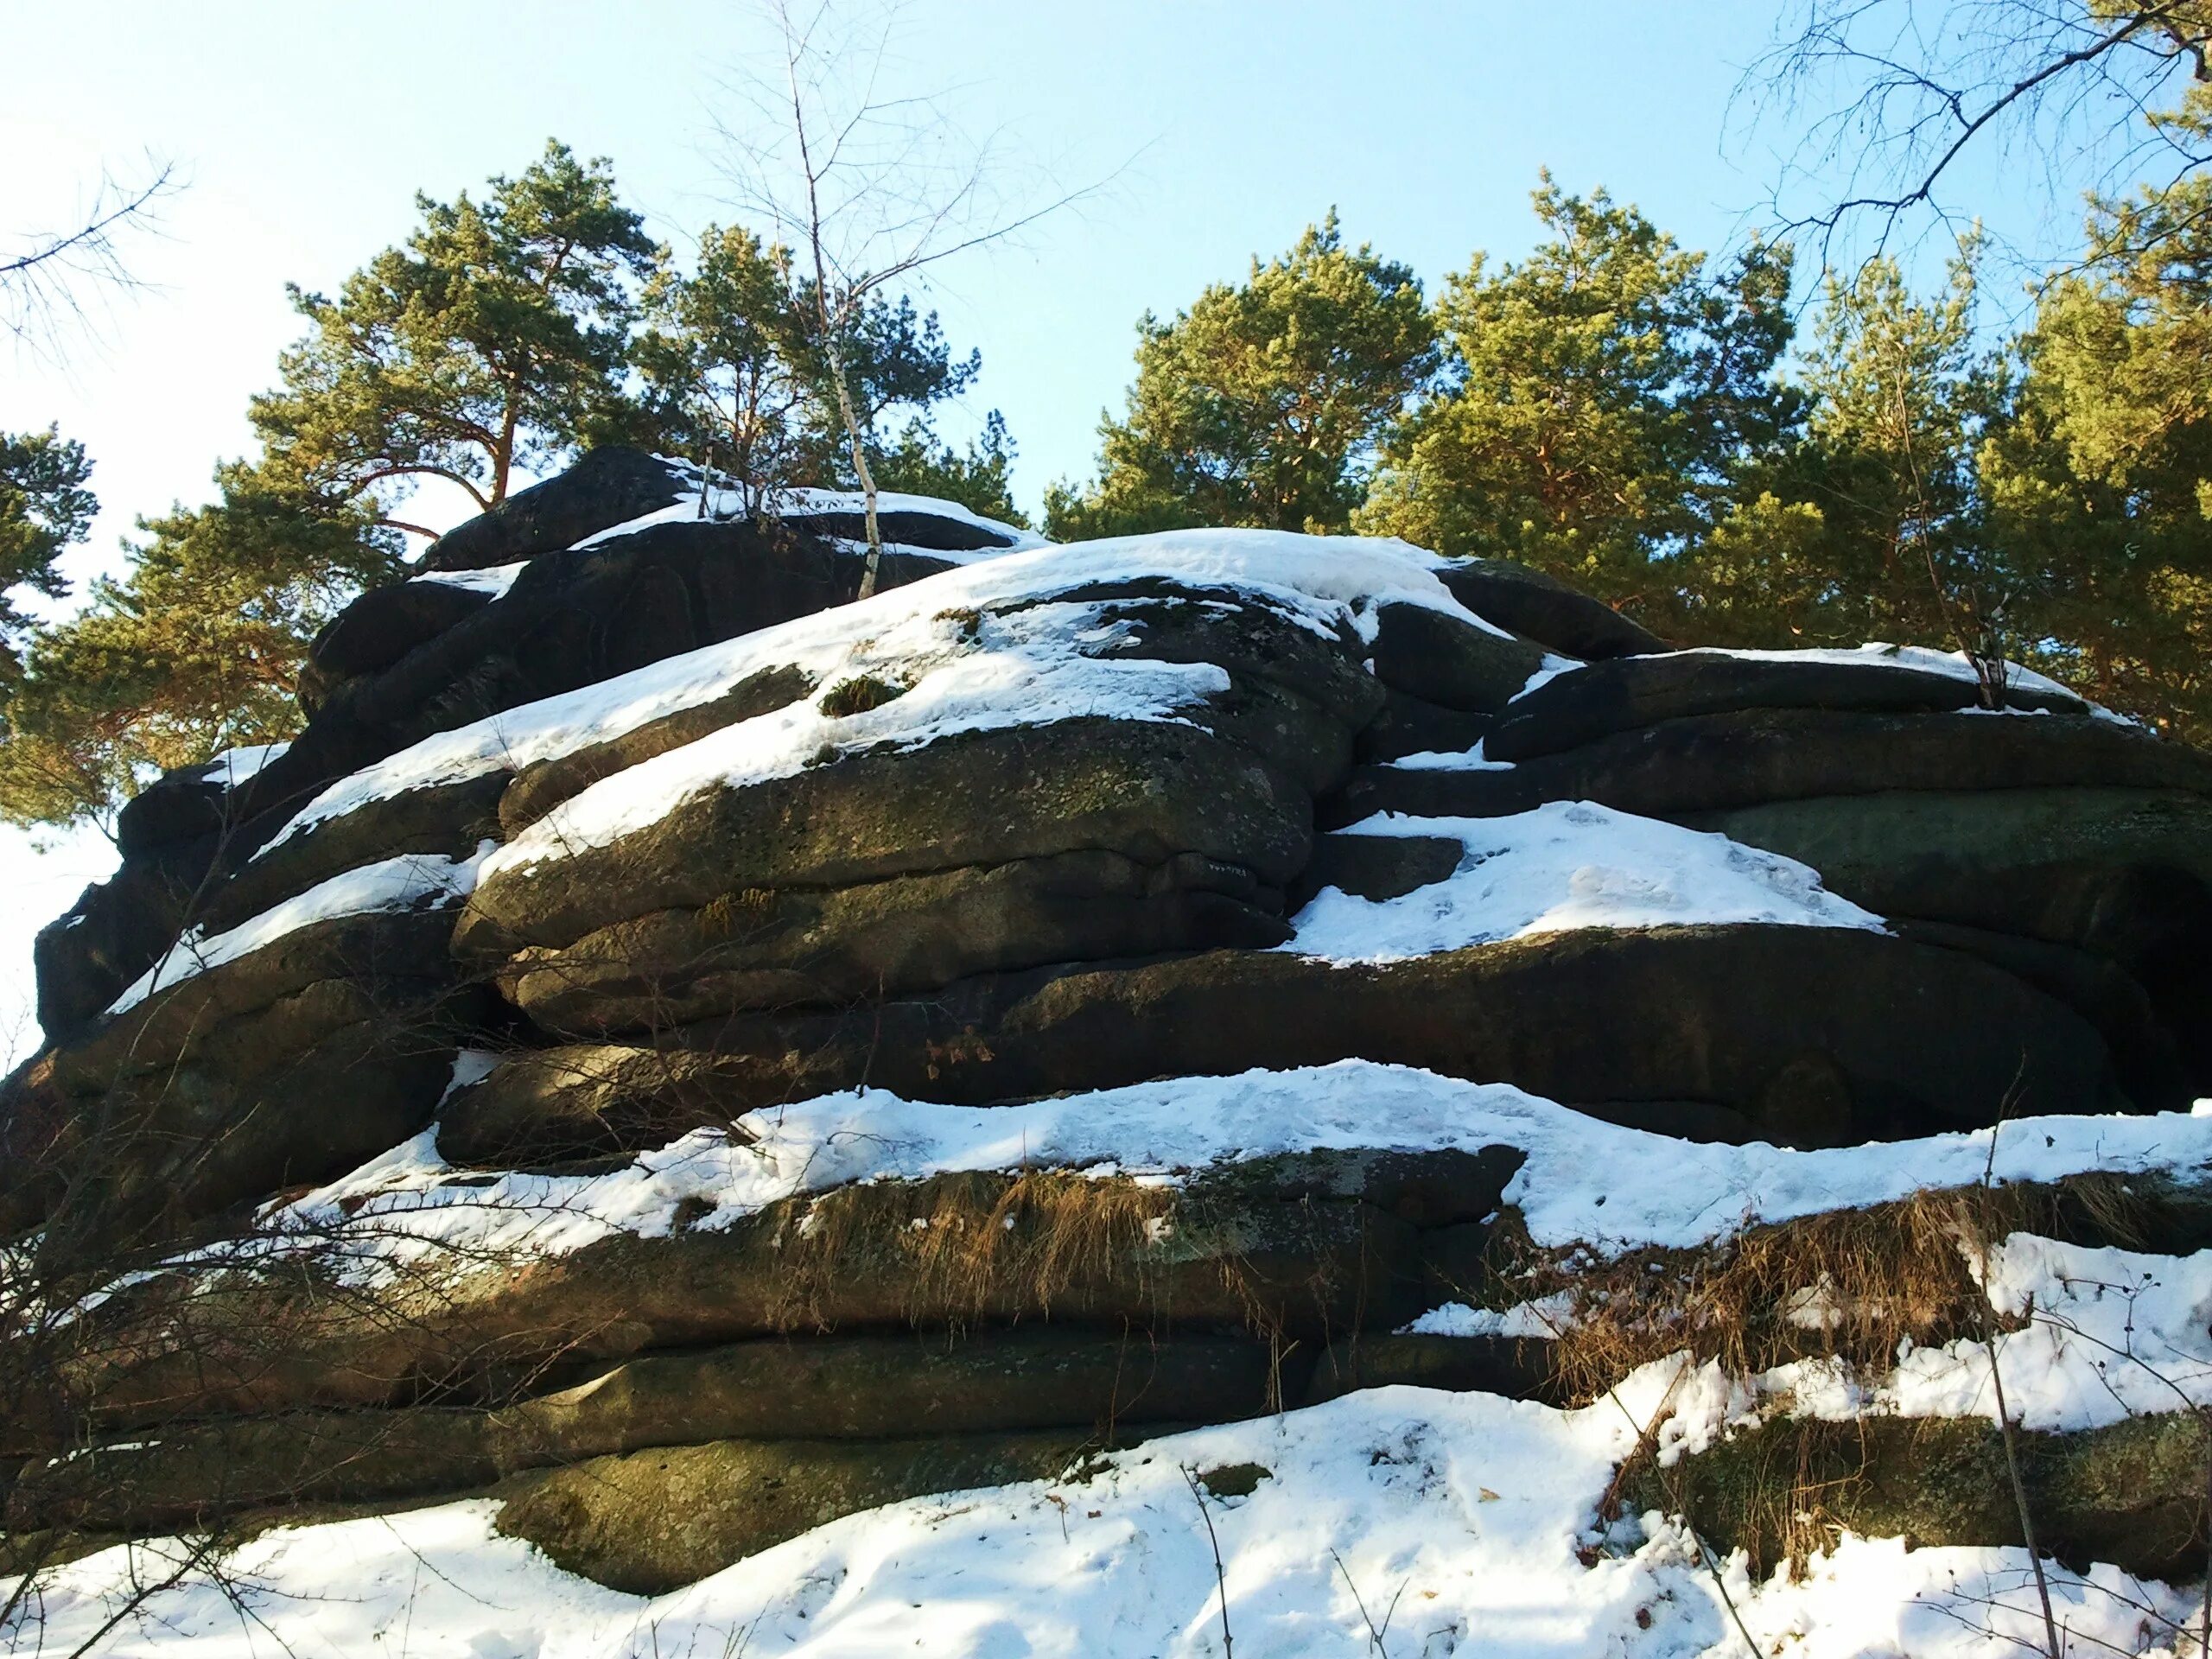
x=1599 y=699
x=1744 y=1017
x=1706 y=764
x=607 y=488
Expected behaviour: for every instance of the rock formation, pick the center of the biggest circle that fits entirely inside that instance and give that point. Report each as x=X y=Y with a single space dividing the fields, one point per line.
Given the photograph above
x=691 y=1055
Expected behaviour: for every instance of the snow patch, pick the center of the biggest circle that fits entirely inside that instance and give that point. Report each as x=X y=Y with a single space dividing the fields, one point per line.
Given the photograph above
x=409 y=1204
x=1020 y=667
x=1468 y=1523
x=1566 y=865
x=412 y=882
x=494 y=580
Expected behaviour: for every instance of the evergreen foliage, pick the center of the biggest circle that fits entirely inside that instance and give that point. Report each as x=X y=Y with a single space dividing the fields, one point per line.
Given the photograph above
x=1868 y=524
x=1600 y=400
x=733 y=373
x=44 y=507
x=1262 y=404
x=496 y=338
x=2099 y=483
x=195 y=651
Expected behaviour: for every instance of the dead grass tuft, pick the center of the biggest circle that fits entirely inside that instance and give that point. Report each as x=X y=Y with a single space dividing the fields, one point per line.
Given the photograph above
x=1850 y=1284
x=964 y=1245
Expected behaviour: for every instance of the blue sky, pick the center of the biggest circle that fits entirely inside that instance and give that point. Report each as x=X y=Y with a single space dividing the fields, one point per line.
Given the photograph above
x=305 y=130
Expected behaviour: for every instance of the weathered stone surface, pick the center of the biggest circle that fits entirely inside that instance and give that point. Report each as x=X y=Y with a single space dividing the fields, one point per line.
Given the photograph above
x=1602 y=698
x=1718 y=763
x=1303 y=1250
x=608 y=487
x=543 y=784
x=1377 y=867
x=827 y=1388
x=792 y=947
x=573 y=618
x=653 y=1521
x=1539 y=608
x=1406 y=725
x=2146 y=1057
x=379 y=628
x=1926 y=1040
x=2123 y=873
x=447 y=820
x=88 y=955
x=583 y=1100
x=1437 y=658
x=2132 y=1494
x=1999 y=858
x=1150 y=791
x=936 y=532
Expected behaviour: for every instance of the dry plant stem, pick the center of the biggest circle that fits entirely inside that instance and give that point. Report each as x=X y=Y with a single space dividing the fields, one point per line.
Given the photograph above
x=1374 y=1635
x=1220 y=1576
x=1647 y=1434
x=2004 y=1414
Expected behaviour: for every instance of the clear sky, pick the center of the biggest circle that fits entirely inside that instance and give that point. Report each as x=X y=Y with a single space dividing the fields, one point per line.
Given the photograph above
x=305 y=129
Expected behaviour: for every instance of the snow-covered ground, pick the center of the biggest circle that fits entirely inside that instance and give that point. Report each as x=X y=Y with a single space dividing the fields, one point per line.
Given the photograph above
x=1399 y=1520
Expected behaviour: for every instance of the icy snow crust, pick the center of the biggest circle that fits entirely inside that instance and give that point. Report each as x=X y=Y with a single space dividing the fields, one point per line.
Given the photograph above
x=1028 y=668
x=1456 y=1517
x=412 y=882
x=1566 y=865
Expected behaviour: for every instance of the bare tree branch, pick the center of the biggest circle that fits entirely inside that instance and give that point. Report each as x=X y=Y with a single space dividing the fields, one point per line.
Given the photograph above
x=47 y=286
x=872 y=188
x=1886 y=99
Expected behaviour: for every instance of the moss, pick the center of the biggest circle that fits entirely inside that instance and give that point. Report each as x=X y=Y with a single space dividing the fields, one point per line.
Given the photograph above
x=2132 y=1493
x=859 y=694
x=651 y=1521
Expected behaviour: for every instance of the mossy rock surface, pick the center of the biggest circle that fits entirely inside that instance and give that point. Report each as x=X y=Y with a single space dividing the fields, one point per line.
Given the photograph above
x=654 y=1521
x=1147 y=790
x=2132 y=1494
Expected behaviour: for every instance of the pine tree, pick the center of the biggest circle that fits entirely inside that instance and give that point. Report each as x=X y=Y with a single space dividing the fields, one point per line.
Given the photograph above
x=44 y=507
x=1869 y=526
x=2099 y=483
x=195 y=651
x=979 y=478
x=495 y=339
x=1599 y=401
x=1261 y=404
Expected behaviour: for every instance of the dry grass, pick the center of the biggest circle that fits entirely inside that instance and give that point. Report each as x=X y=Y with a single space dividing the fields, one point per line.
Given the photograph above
x=1849 y=1284
x=961 y=1246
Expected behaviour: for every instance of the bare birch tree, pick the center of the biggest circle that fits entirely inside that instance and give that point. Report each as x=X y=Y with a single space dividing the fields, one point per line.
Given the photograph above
x=871 y=185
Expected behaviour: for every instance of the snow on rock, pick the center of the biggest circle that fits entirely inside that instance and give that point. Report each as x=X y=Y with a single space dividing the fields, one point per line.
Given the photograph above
x=1445 y=1523
x=1566 y=865
x=412 y=882
x=408 y=1202
x=1950 y=664
x=1023 y=667
x=233 y=766
x=494 y=580
x=2108 y=1334
x=724 y=500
